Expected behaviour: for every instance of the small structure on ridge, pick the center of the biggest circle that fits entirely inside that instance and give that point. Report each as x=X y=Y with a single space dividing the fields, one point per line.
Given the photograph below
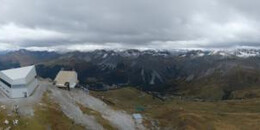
x=66 y=79
x=138 y=118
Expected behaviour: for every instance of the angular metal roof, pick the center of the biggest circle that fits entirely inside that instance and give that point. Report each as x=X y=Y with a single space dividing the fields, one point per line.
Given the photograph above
x=18 y=73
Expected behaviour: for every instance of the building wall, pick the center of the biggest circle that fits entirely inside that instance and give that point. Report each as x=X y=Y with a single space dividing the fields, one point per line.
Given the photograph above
x=32 y=86
x=31 y=75
x=5 y=89
x=73 y=84
x=74 y=81
x=32 y=81
x=18 y=92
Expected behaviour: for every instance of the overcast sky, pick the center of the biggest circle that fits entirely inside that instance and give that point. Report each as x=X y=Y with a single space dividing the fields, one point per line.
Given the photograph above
x=156 y=24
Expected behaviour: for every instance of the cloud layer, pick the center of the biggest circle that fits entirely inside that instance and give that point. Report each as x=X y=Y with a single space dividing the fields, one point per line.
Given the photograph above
x=158 y=24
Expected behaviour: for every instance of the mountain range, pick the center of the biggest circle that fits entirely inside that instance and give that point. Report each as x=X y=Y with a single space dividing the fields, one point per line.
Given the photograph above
x=197 y=74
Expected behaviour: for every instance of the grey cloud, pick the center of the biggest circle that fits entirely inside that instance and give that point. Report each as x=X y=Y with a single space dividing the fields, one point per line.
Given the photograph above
x=130 y=23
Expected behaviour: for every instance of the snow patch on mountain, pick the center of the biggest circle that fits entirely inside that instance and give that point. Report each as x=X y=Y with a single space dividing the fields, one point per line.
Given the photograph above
x=241 y=53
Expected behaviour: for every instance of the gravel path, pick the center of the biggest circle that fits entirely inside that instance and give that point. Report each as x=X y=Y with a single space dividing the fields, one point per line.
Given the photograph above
x=68 y=99
x=119 y=119
x=71 y=109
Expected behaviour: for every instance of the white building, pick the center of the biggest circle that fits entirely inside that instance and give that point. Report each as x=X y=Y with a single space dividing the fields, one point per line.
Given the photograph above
x=138 y=118
x=18 y=82
x=66 y=79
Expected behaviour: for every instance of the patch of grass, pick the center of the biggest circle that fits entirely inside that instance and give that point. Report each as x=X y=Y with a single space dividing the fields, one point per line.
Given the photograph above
x=46 y=116
x=128 y=98
x=246 y=93
x=105 y=123
x=4 y=116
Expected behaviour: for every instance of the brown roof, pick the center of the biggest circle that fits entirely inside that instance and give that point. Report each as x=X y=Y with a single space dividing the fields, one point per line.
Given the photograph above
x=66 y=76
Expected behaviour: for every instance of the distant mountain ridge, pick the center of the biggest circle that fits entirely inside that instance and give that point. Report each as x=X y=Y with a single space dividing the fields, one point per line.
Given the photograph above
x=206 y=74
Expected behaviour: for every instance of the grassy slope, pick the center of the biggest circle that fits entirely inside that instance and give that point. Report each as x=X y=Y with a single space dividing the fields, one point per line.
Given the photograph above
x=180 y=114
x=229 y=86
x=46 y=116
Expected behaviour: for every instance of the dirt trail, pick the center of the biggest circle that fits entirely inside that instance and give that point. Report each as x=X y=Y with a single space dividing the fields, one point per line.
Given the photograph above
x=71 y=110
x=68 y=100
x=119 y=119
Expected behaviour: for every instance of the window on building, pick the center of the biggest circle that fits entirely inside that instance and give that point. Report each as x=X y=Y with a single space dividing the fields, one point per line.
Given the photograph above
x=5 y=82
